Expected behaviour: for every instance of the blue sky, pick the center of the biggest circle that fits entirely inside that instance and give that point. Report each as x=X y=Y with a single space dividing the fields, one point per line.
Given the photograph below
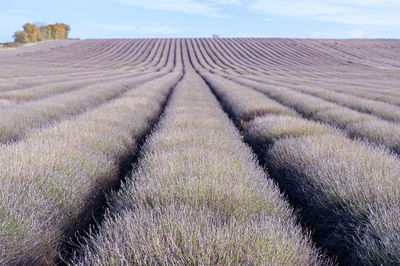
x=195 y=18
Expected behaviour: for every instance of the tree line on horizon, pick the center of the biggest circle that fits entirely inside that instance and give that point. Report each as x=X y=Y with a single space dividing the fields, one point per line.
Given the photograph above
x=35 y=33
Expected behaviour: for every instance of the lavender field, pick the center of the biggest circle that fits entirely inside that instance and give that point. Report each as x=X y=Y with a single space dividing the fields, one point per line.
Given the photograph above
x=200 y=152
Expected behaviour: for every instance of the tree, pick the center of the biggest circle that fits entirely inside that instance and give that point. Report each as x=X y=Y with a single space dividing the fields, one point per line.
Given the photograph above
x=39 y=32
x=21 y=37
x=59 y=31
x=32 y=32
x=45 y=31
x=67 y=30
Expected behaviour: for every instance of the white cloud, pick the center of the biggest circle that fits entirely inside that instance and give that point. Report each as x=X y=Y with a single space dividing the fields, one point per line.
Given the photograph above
x=355 y=12
x=209 y=8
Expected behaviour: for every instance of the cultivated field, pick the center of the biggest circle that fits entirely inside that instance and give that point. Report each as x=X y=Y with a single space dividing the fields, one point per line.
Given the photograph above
x=200 y=152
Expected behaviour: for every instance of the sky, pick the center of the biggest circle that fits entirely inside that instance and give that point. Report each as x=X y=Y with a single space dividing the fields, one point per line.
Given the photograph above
x=195 y=18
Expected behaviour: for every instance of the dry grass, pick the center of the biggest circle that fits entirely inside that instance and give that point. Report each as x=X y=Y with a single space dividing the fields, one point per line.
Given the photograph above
x=199 y=198
x=51 y=176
